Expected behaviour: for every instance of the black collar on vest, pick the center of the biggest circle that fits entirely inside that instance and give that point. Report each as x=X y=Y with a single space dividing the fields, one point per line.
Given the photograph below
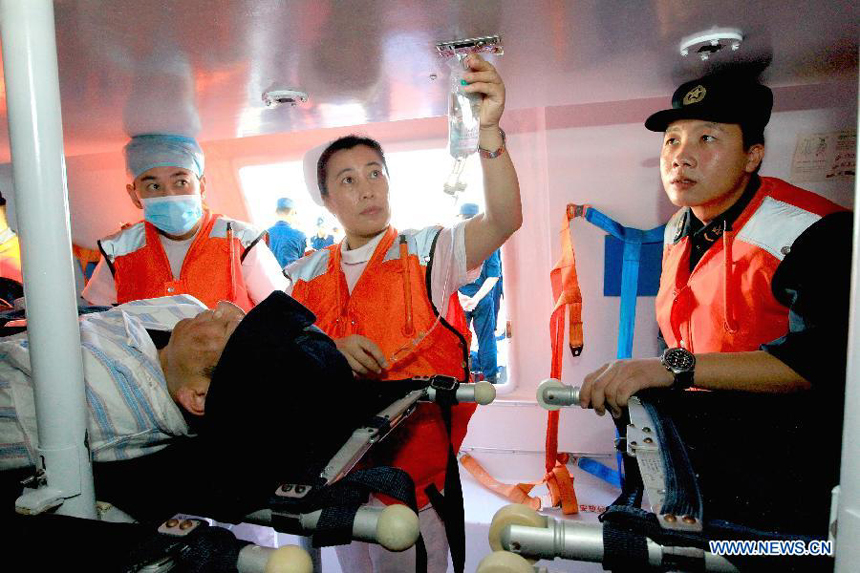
x=703 y=236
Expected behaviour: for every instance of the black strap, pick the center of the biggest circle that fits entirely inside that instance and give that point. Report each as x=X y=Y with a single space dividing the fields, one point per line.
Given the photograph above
x=341 y=501
x=450 y=506
x=107 y=259
x=623 y=550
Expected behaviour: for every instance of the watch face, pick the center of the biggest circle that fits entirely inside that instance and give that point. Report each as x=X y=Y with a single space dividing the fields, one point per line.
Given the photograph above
x=679 y=360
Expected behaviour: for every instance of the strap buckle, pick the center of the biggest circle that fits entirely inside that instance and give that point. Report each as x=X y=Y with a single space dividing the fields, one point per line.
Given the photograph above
x=446 y=383
x=574 y=211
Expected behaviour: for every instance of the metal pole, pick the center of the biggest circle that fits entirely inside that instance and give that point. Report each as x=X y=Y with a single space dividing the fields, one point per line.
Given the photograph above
x=848 y=516
x=38 y=168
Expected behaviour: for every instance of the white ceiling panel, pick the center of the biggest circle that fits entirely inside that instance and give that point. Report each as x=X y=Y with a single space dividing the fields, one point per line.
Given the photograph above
x=200 y=66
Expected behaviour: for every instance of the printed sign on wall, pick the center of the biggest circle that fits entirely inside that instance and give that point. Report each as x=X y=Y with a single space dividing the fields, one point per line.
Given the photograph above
x=825 y=156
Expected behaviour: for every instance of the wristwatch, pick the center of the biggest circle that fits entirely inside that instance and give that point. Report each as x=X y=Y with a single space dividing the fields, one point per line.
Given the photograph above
x=681 y=364
x=493 y=154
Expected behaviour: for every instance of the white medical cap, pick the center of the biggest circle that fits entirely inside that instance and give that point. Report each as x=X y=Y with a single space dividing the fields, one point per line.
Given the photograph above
x=311 y=159
x=144 y=152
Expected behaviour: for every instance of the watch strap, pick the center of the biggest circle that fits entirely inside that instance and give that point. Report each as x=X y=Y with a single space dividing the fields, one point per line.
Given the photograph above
x=683 y=380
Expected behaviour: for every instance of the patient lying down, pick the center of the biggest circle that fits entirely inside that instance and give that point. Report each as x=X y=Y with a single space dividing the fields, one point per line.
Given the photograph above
x=267 y=397
x=134 y=390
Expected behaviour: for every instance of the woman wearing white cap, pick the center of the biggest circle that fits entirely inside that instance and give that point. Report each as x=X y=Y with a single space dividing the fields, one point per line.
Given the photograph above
x=389 y=299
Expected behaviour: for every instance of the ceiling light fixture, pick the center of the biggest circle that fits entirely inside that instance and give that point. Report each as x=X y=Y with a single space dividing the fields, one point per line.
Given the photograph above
x=276 y=97
x=711 y=41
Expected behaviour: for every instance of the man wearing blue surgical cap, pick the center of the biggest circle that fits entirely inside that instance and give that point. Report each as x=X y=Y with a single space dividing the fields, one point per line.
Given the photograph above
x=180 y=247
x=287 y=243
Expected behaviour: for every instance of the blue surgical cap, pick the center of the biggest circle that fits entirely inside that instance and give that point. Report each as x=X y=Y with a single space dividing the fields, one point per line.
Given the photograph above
x=285 y=203
x=144 y=152
x=468 y=210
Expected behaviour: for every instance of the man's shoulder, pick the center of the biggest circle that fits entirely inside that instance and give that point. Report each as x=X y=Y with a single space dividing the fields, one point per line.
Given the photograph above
x=245 y=232
x=297 y=233
x=805 y=199
x=785 y=213
x=126 y=240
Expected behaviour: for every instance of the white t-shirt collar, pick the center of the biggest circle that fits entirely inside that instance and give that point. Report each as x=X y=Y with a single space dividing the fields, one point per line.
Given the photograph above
x=363 y=253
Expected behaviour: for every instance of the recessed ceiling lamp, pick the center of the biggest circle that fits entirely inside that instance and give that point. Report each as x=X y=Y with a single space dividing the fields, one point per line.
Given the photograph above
x=277 y=97
x=484 y=44
x=711 y=41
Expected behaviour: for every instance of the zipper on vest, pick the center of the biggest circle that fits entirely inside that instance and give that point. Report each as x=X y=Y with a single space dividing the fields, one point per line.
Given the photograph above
x=409 y=327
x=728 y=299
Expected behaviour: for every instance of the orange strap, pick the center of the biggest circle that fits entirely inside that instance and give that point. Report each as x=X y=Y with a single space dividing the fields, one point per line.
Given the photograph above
x=86 y=256
x=565 y=291
x=516 y=493
x=558 y=481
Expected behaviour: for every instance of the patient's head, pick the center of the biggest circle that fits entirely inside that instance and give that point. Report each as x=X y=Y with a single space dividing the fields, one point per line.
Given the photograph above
x=194 y=349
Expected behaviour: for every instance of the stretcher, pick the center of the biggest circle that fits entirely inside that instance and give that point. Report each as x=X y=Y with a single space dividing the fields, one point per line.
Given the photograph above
x=328 y=509
x=671 y=530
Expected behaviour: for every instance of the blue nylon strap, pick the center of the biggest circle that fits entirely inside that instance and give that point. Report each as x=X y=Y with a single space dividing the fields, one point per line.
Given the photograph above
x=633 y=240
x=599 y=470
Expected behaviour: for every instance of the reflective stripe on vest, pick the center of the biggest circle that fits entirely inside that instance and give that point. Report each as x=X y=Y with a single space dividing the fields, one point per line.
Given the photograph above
x=211 y=270
x=377 y=309
x=726 y=303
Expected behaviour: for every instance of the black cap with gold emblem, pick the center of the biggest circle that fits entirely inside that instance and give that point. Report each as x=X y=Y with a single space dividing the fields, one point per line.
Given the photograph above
x=724 y=98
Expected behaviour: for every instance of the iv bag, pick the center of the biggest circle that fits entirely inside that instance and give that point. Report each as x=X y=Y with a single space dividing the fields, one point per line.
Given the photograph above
x=464 y=122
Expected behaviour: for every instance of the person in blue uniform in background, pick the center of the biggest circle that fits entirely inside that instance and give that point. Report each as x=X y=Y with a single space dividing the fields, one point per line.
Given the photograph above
x=287 y=242
x=322 y=238
x=479 y=300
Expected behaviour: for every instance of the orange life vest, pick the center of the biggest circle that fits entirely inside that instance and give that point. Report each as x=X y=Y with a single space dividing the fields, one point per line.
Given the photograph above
x=390 y=304
x=726 y=303
x=211 y=270
x=10 y=259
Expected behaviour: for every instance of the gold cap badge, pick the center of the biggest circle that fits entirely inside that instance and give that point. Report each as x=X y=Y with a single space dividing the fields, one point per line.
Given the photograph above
x=695 y=95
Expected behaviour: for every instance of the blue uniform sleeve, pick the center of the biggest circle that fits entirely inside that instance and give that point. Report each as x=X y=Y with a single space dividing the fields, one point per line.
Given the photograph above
x=493 y=265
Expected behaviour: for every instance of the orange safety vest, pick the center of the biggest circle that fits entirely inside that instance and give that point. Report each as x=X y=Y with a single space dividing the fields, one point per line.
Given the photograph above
x=390 y=304
x=211 y=271
x=726 y=303
x=10 y=260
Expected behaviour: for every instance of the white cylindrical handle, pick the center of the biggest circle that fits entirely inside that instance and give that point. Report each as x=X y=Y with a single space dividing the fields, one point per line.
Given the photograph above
x=553 y=395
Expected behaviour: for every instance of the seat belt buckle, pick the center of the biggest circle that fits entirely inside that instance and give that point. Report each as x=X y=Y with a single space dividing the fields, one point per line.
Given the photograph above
x=444 y=383
x=574 y=211
x=293 y=490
